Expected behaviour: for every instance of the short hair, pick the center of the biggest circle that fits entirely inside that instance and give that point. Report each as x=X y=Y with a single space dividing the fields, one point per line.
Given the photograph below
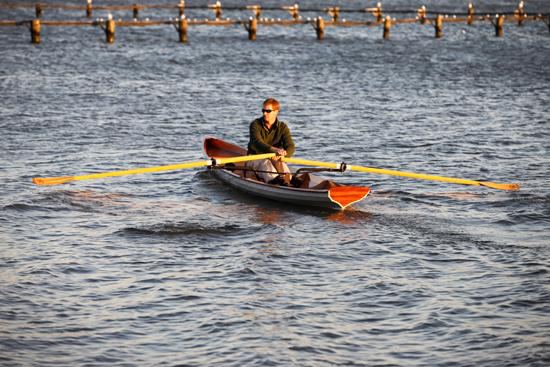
x=273 y=102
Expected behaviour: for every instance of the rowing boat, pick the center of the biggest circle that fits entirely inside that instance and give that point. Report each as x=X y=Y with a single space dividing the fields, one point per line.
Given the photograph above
x=328 y=195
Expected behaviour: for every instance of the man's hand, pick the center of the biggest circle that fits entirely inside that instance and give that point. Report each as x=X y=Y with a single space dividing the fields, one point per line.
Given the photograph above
x=280 y=153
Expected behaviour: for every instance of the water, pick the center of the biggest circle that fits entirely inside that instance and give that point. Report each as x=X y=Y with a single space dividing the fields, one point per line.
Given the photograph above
x=176 y=269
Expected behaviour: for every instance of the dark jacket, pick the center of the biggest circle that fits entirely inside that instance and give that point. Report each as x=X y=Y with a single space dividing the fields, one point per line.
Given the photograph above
x=262 y=139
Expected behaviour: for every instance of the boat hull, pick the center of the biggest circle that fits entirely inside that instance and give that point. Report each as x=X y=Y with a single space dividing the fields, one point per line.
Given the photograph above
x=336 y=198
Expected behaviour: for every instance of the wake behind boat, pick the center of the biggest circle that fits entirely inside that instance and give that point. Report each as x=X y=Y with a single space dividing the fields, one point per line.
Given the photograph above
x=318 y=193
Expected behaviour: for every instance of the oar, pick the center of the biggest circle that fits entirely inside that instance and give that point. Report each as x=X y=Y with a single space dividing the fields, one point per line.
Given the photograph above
x=171 y=167
x=493 y=185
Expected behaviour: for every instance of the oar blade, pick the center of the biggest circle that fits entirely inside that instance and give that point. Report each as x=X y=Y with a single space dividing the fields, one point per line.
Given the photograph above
x=43 y=181
x=501 y=186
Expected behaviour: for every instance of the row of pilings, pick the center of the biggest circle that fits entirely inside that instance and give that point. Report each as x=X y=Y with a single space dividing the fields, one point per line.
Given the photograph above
x=182 y=22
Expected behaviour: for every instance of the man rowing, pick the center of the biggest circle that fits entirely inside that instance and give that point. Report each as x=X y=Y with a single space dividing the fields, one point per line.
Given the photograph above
x=269 y=135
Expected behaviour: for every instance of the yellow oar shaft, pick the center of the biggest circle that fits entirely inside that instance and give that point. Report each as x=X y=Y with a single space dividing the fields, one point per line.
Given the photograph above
x=143 y=170
x=244 y=158
x=171 y=167
x=420 y=176
x=494 y=185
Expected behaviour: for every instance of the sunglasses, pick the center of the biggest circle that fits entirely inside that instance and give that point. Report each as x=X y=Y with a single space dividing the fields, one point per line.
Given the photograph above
x=267 y=111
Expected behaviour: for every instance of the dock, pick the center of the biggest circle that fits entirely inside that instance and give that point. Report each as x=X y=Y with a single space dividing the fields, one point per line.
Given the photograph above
x=255 y=17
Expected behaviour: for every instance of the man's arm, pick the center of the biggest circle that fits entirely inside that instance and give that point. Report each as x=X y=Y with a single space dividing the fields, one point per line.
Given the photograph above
x=288 y=143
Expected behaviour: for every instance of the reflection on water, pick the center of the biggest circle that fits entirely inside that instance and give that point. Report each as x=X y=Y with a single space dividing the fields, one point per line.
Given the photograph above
x=267 y=215
x=350 y=216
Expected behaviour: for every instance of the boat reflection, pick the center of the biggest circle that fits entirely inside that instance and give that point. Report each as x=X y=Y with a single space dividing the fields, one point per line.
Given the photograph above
x=269 y=215
x=349 y=216
x=277 y=215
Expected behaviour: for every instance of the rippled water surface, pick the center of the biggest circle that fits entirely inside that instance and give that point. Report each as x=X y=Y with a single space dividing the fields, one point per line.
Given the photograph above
x=176 y=269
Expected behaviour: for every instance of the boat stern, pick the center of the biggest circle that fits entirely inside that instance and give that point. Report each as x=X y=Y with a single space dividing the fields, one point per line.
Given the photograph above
x=345 y=196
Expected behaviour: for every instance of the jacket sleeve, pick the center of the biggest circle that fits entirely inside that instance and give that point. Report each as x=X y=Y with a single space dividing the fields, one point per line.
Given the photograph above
x=288 y=143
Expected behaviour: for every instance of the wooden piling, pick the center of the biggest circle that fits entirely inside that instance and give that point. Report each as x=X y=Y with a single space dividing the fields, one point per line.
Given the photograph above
x=182 y=29
x=499 y=23
x=439 y=26
x=471 y=13
x=320 y=28
x=294 y=11
x=519 y=13
x=376 y=12
x=89 y=9
x=38 y=10
x=387 y=26
x=256 y=9
x=110 y=27
x=252 y=28
x=181 y=8
x=422 y=14
x=379 y=16
x=334 y=12
x=35 y=31
x=217 y=7
x=135 y=11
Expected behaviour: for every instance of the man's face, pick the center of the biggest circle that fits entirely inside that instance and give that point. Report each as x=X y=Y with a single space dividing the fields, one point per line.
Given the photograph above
x=270 y=114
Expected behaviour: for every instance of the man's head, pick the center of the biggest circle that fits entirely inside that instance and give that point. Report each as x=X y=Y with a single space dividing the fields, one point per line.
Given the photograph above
x=270 y=110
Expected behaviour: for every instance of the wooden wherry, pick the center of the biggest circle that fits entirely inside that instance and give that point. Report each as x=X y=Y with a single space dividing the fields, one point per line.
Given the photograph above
x=338 y=197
